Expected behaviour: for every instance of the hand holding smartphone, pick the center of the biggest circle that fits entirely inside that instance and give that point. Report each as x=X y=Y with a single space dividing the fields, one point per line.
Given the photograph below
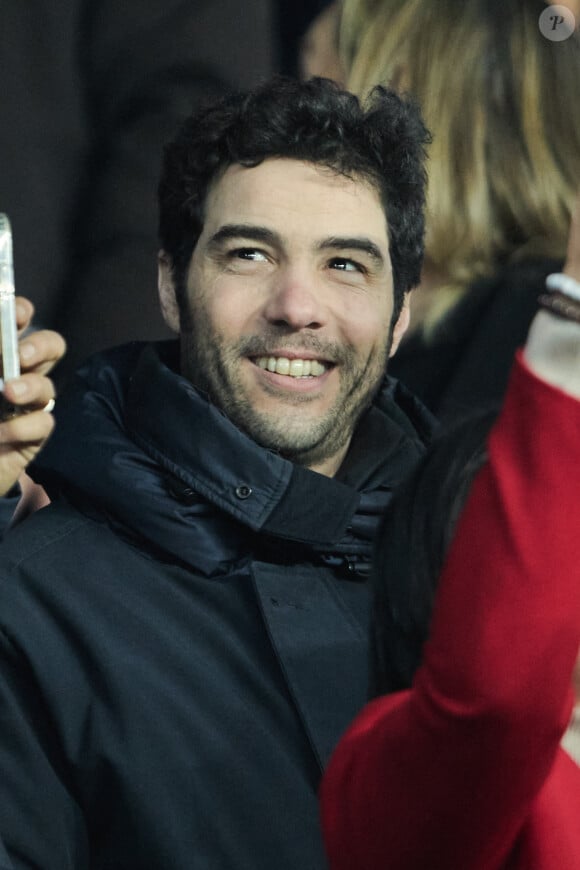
x=27 y=397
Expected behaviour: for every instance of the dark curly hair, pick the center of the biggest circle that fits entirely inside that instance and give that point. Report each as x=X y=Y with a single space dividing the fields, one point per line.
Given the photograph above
x=415 y=534
x=382 y=142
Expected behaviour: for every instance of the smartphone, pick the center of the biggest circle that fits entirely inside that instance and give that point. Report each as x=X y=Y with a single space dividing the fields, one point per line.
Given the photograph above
x=8 y=329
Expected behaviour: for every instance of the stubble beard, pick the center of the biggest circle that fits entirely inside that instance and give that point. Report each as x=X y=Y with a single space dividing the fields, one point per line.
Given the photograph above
x=213 y=367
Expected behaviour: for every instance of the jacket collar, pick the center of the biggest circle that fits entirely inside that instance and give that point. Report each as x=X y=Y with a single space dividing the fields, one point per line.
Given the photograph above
x=138 y=442
x=208 y=453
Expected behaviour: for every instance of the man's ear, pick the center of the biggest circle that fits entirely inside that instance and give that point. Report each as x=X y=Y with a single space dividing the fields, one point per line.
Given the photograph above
x=167 y=297
x=401 y=325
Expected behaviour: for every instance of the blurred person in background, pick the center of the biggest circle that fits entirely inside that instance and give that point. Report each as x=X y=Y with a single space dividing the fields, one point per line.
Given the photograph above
x=318 y=50
x=502 y=103
x=90 y=91
x=294 y=20
x=469 y=759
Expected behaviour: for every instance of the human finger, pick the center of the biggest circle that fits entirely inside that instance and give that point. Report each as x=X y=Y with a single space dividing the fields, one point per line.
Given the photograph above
x=40 y=351
x=25 y=431
x=24 y=312
x=31 y=391
x=21 y=438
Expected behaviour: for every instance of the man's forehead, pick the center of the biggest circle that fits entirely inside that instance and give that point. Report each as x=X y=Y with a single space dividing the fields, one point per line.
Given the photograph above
x=293 y=167
x=287 y=192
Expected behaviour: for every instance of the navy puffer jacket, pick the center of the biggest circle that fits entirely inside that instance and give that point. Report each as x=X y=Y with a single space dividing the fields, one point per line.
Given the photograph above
x=183 y=632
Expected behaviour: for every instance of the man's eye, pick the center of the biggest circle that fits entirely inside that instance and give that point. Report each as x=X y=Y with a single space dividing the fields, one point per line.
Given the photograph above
x=343 y=264
x=248 y=254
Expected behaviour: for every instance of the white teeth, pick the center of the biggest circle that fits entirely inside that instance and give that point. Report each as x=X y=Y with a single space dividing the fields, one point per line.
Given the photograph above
x=295 y=368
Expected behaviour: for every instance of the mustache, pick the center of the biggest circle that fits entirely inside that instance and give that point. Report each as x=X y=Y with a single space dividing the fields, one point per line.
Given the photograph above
x=265 y=344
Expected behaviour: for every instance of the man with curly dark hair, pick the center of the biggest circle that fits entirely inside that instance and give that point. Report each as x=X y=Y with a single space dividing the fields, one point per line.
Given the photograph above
x=184 y=630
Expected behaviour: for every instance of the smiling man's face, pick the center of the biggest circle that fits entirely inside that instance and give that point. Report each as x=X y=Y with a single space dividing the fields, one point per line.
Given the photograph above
x=290 y=302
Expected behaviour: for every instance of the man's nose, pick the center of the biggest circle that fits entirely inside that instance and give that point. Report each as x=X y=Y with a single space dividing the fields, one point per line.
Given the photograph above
x=295 y=300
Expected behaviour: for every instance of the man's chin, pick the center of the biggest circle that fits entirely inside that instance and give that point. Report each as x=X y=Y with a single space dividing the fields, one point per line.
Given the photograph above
x=284 y=434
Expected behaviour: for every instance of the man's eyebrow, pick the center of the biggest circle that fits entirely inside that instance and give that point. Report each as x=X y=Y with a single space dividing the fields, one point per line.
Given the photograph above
x=354 y=243
x=243 y=231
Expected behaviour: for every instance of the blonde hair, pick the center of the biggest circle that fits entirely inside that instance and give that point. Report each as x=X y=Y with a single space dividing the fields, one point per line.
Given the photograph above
x=502 y=104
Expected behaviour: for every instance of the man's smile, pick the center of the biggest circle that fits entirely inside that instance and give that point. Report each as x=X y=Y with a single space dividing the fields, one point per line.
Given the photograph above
x=293 y=367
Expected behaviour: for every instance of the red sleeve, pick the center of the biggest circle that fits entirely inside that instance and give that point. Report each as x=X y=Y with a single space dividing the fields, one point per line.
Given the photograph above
x=443 y=776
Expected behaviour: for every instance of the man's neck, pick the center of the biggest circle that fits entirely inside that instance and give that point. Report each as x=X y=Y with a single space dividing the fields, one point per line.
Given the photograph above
x=330 y=466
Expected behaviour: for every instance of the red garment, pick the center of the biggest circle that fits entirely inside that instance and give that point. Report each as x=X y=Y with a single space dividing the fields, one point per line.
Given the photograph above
x=464 y=771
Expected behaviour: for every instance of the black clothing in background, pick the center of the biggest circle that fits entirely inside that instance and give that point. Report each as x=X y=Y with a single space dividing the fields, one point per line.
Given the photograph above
x=90 y=91
x=465 y=366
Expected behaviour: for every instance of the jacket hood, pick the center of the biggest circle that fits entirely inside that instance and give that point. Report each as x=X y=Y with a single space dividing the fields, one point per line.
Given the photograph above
x=138 y=447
